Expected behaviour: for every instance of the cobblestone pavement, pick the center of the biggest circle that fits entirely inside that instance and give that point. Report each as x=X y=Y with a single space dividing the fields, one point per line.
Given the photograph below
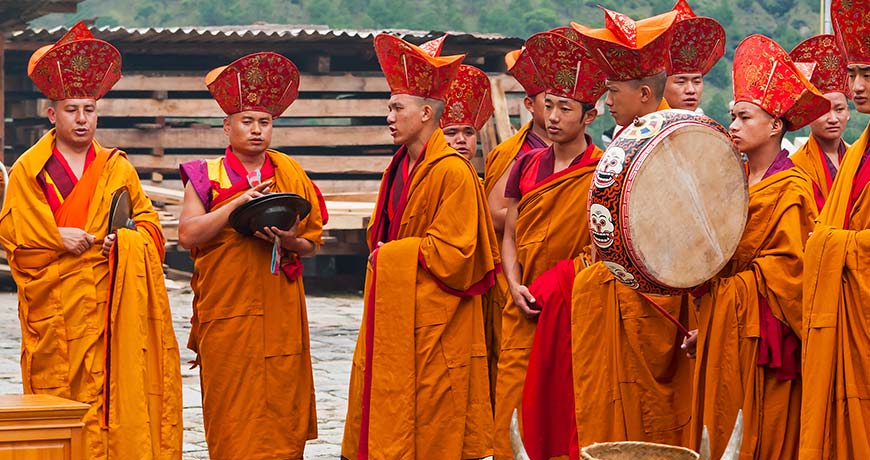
x=334 y=323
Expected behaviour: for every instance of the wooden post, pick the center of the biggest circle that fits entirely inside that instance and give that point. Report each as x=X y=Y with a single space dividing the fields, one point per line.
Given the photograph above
x=503 y=128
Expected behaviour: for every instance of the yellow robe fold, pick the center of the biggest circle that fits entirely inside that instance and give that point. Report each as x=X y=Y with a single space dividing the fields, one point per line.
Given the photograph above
x=62 y=308
x=257 y=382
x=808 y=160
x=429 y=388
x=768 y=262
x=547 y=231
x=835 y=414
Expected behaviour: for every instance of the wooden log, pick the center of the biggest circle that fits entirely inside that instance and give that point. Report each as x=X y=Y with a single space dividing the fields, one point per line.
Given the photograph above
x=311 y=163
x=215 y=138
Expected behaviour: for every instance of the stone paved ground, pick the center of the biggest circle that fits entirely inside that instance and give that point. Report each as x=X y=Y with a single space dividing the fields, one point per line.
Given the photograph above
x=334 y=323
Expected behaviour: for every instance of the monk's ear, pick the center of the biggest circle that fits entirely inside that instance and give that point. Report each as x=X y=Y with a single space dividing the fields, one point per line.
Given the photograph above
x=428 y=112
x=227 y=124
x=51 y=112
x=777 y=128
x=590 y=116
x=646 y=93
x=529 y=104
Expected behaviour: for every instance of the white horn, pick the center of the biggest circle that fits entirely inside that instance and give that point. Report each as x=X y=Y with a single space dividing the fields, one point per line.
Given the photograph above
x=732 y=450
x=517 y=440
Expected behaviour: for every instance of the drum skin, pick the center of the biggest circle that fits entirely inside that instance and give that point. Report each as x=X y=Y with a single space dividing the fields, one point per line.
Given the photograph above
x=668 y=202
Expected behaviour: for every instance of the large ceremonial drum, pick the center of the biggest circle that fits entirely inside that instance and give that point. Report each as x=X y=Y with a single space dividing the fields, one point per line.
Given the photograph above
x=668 y=202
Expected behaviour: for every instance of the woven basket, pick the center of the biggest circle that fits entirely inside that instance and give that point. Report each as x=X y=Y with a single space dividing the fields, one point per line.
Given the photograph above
x=636 y=451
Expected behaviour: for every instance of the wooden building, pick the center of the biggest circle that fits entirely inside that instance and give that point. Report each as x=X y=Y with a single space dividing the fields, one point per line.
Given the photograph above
x=161 y=113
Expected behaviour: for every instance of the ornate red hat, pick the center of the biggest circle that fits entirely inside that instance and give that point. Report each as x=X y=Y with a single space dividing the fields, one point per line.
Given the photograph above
x=766 y=76
x=469 y=100
x=567 y=31
x=263 y=82
x=433 y=47
x=831 y=74
x=77 y=66
x=521 y=68
x=697 y=42
x=565 y=67
x=852 y=28
x=412 y=70
x=629 y=50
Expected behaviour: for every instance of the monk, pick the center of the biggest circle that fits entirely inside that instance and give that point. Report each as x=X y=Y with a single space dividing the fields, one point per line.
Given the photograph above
x=418 y=385
x=467 y=107
x=96 y=325
x=499 y=161
x=820 y=157
x=835 y=415
x=697 y=44
x=540 y=228
x=749 y=316
x=252 y=346
x=599 y=344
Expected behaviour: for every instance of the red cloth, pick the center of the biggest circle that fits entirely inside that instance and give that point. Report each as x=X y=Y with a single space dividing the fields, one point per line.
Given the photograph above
x=549 y=425
x=780 y=347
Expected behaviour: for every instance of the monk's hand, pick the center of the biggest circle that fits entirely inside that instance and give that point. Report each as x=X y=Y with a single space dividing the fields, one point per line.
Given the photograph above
x=254 y=192
x=287 y=237
x=690 y=343
x=76 y=240
x=525 y=301
x=372 y=255
x=107 y=244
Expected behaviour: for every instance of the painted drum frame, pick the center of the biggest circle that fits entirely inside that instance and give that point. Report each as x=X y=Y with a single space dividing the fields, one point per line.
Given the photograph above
x=611 y=191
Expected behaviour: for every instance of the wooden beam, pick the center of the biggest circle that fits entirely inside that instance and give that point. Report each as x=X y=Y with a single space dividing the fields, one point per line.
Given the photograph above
x=310 y=163
x=215 y=138
x=503 y=129
x=208 y=108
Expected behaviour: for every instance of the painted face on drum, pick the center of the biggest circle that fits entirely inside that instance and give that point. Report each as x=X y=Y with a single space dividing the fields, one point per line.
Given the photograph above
x=609 y=166
x=565 y=119
x=859 y=81
x=683 y=91
x=751 y=127
x=622 y=275
x=601 y=225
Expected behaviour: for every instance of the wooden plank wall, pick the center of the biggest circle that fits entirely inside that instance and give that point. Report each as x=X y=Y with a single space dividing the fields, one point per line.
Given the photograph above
x=336 y=130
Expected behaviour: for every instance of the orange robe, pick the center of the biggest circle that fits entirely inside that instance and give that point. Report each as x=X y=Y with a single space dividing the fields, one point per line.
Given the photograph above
x=811 y=161
x=256 y=377
x=132 y=380
x=735 y=326
x=632 y=381
x=547 y=231
x=498 y=163
x=418 y=385
x=835 y=415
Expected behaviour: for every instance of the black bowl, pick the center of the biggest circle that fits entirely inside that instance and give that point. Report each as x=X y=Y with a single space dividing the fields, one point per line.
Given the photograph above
x=270 y=210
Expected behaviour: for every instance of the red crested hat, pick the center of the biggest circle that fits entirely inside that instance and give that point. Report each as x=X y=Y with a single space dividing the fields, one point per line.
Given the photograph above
x=520 y=67
x=565 y=67
x=766 y=76
x=830 y=74
x=568 y=32
x=697 y=42
x=412 y=70
x=852 y=28
x=629 y=50
x=262 y=82
x=77 y=66
x=469 y=100
x=433 y=47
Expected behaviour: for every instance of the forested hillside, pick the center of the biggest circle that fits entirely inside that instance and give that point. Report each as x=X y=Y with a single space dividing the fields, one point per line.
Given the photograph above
x=787 y=21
